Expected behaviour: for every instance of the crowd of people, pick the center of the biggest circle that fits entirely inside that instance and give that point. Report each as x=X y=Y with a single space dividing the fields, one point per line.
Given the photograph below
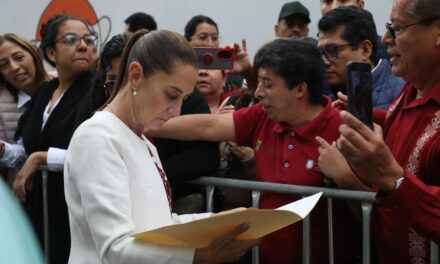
x=124 y=130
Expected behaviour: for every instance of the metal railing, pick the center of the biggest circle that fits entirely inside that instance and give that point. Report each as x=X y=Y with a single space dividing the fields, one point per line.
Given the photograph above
x=44 y=176
x=367 y=200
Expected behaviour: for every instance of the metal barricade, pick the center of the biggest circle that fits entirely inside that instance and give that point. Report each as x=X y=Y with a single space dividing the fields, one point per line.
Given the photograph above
x=331 y=256
x=44 y=175
x=367 y=200
x=256 y=204
x=44 y=178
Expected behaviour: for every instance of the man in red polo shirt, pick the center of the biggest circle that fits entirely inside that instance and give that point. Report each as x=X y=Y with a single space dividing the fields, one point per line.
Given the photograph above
x=282 y=130
x=404 y=161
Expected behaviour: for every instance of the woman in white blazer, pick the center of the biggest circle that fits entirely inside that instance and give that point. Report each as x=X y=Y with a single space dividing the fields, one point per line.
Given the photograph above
x=114 y=182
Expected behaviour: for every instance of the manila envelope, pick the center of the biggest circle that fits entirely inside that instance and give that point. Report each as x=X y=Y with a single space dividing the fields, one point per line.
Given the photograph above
x=200 y=233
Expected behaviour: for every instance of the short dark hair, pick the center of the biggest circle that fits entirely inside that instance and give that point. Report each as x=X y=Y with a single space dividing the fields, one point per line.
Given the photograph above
x=49 y=32
x=295 y=61
x=359 y=26
x=140 y=20
x=190 y=27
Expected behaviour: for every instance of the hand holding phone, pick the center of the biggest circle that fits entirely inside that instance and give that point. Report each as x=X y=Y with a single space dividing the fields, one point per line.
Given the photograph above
x=359 y=87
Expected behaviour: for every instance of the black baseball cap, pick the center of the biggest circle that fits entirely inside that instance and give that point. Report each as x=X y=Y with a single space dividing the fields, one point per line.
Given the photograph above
x=294 y=8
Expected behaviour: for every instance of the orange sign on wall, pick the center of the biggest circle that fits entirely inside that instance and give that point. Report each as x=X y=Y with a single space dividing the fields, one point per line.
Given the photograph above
x=77 y=8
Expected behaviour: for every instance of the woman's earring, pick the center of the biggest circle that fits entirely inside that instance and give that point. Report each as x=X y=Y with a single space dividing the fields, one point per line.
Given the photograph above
x=134 y=93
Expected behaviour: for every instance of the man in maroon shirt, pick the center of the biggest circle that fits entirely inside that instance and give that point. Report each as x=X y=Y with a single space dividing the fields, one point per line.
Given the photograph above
x=403 y=162
x=282 y=130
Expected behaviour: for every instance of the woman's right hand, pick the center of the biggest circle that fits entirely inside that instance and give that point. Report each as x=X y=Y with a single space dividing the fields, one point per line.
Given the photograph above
x=225 y=248
x=23 y=180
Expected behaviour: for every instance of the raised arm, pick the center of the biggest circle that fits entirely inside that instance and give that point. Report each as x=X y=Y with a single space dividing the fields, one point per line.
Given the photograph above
x=208 y=127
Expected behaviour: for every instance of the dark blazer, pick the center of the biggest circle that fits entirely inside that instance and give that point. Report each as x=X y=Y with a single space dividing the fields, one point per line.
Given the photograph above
x=57 y=132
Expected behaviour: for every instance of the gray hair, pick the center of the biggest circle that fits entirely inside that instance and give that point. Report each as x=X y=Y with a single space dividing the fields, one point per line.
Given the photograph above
x=425 y=9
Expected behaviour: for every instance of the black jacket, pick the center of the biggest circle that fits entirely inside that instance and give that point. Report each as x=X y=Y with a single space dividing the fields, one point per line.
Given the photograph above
x=57 y=132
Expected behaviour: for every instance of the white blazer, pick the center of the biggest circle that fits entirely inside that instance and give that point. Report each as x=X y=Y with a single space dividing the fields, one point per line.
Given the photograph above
x=114 y=190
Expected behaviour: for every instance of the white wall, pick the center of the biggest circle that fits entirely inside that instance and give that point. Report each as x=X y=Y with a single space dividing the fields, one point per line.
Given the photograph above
x=250 y=19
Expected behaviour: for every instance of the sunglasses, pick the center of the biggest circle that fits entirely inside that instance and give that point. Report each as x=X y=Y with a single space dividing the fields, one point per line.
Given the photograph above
x=74 y=40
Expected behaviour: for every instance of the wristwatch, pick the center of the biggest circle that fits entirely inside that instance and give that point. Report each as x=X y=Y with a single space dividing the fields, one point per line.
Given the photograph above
x=398 y=182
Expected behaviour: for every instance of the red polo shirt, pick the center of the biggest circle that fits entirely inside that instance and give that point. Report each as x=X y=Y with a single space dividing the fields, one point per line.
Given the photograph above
x=289 y=155
x=404 y=218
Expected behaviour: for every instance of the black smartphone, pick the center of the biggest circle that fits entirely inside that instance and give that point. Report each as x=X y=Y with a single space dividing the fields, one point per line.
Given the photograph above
x=359 y=87
x=214 y=58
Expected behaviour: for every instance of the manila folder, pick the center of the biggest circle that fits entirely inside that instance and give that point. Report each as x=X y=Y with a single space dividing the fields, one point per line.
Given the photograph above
x=200 y=233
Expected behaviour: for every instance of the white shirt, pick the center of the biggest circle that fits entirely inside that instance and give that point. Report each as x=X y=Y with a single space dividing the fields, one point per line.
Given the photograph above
x=23 y=98
x=113 y=190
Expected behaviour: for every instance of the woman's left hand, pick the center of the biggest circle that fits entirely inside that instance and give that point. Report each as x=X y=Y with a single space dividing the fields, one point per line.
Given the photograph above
x=23 y=180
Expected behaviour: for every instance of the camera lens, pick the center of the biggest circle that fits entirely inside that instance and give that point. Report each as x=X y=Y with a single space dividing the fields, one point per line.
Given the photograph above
x=207 y=59
x=225 y=54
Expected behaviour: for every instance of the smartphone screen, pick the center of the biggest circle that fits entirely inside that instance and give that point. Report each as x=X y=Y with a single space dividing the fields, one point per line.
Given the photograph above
x=360 y=102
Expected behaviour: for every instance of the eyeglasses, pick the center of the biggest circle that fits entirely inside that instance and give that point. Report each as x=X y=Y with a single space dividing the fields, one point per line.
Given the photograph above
x=204 y=37
x=74 y=40
x=108 y=87
x=394 y=29
x=331 y=52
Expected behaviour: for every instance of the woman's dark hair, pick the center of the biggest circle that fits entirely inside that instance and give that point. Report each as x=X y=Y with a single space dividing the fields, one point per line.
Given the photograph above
x=295 y=61
x=49 y=33
x=40 y=73
x=157 y=51
x=112 y=49
x=190 y=28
